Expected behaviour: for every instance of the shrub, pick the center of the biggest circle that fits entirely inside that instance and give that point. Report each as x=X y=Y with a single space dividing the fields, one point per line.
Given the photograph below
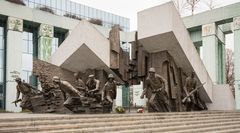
x=96 y=21
x=72 y=16
x=46 y=9
x=19 y=2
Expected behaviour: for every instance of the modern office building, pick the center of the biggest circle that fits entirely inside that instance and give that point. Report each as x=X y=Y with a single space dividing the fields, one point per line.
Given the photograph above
x=21 y=43
x=68 y=7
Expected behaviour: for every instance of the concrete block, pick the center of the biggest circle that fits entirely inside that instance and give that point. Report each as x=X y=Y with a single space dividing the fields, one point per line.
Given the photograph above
x=161 y=28
x=222 y=99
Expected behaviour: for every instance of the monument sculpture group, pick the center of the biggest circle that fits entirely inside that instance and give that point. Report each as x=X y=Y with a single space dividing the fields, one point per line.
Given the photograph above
x=83 y=98
x=166 y=86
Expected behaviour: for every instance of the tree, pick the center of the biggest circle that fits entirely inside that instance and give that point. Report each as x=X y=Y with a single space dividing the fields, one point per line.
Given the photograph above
x=186 y=5
x=230 y=69
x=192 y=4
x=211 y=4
x=181 y=5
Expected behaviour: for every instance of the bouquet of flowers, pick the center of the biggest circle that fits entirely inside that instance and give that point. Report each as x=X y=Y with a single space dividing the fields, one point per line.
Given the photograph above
x=120 y=109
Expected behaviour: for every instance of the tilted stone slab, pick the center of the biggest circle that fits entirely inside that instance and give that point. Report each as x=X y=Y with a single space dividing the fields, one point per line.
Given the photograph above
x=85 y=48
x=161 y=28
x=83 y=34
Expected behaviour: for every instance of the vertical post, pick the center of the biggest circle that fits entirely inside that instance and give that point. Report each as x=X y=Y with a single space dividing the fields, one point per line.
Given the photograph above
x=236 y=27
x=14 y=59
x=210 y=50
x=221 y=56
x=45 y=38
x=224 y=80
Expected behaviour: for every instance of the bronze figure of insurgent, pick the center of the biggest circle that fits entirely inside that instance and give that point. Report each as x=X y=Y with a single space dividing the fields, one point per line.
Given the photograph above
x=193 y=102
x=71 y=95
x=155 y=92
x=27 y=92
x=109 y=91
x=80 y=85
x=92 y=84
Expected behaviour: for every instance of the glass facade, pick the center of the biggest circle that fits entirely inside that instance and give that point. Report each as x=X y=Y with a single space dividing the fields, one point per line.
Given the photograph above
x=29 y=51
x=63 y=7
x=55 y=44
x=2 y=63
x=27 y=56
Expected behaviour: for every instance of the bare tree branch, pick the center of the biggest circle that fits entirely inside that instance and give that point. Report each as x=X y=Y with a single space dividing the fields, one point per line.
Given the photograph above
x=211 y=4
x=230 y=69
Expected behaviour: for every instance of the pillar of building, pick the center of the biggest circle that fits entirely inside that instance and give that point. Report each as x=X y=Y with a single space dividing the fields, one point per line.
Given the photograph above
x=224 y=77
x=45 y=38
x=210 y=50
x=14 y=60
x=221 y=56
x=236 y=27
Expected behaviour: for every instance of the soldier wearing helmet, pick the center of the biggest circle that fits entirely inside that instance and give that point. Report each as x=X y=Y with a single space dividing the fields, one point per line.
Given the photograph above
x=71 y=94
x=194 y=101
x=27 y=92
x=109 y=89
x=154 y=90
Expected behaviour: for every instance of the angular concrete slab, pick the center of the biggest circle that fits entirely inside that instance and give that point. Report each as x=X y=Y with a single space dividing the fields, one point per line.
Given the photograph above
x=161 y=28
x=83 y=33
x=222 y=99
x=85 y=48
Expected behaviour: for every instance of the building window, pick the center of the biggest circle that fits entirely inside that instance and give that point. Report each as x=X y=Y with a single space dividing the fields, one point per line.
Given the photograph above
x=61 y=7
x=59 y=37
x=55 y=44
x=27 y=56
x=2 y=63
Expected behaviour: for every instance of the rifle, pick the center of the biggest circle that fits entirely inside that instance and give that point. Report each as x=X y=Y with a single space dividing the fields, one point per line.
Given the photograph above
x=16 y=101
x=192 y=92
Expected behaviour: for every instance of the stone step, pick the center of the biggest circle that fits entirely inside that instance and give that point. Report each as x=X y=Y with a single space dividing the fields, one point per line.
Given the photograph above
x=213 y=129
x=145 y=128
x=100 y=120
x=114 y=125
x=232 y=129
x=219 y=129
x=61 y=117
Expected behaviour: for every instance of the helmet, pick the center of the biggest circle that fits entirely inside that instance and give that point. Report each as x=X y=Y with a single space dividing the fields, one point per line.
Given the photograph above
x=75 y=74
x=110 y=76
x=56 y=79
x=18 y=79
x=152 y=70
x=91 y=76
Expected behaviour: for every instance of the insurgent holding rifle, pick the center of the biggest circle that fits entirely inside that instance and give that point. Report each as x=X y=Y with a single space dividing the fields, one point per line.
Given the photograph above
x=154 y=90
x=193 y=101
x=27 y=92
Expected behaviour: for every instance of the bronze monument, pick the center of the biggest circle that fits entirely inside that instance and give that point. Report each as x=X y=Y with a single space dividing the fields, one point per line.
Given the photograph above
x=155 y=92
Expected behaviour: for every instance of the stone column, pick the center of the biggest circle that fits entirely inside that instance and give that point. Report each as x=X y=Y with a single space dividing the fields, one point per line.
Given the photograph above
x=236 y=27
x=14 y=60
x=45 y=37
x=221 y=56
x=210 y=50
x=224 y=63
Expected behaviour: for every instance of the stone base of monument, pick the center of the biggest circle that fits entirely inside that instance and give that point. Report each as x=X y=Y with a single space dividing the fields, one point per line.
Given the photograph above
x=55 y=105
x=51 y=102
x=171 y=122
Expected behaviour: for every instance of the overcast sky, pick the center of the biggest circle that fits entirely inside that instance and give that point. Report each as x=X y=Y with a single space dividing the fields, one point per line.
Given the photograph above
x=129 y=8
